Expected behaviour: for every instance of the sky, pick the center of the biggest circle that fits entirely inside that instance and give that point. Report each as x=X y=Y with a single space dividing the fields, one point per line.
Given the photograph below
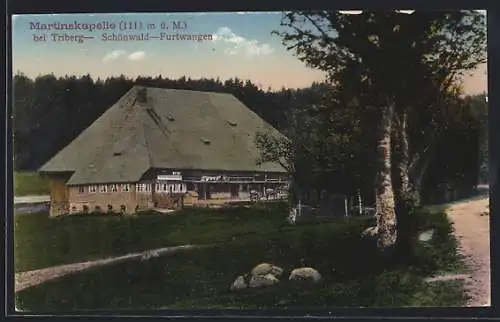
x=241 y=46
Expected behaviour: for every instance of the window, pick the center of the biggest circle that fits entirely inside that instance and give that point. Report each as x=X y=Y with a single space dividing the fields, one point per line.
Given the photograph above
x=97 y=208
x=110 y=208
x=103 y=188
x=85 y=208
x=93 y=189
x=171 y=189
x=158 y=187
x=81 y=189
x=73 y=209
x=125 y=188
x=176 y=173
x=113 y=188
x=123 y=208
x=145 y=187
x=165 y=187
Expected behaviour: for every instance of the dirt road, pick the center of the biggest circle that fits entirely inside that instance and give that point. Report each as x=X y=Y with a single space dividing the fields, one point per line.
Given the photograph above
x=30 y=199
x=32 y=278
x=472 y=228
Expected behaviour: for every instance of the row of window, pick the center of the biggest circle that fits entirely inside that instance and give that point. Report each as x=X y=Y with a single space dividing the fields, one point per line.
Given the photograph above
x=143 y=187
x=140 y=187
x=146 y=187
x=106 y=188
x=169 y=187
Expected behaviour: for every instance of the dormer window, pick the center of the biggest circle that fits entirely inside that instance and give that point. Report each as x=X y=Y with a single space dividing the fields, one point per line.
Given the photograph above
x=125 y=188
x=113 y=188
x=205 y=140
x=103 y=188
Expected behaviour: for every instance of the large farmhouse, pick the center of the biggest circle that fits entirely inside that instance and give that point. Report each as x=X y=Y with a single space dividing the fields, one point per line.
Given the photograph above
x=160 y=148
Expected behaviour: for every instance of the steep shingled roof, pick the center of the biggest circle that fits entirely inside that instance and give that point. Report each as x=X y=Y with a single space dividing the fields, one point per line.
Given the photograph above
x=164 y=128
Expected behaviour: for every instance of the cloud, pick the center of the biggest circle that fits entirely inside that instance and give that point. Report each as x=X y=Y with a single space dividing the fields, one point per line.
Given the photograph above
x=240 y=45
x=113 y=55
x=116 y=54
x=138 y=55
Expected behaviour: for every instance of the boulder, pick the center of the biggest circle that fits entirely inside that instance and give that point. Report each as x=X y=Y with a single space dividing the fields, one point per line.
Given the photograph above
x=305 y=274
x=263 y=280
x=426 y=235
x=266 y=268
x=239 y=283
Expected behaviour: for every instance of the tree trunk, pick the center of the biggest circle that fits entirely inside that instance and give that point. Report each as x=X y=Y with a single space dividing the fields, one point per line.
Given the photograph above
x=404 y=162
x=386 y=215
x=401 y=166
x=417 y=178
x=403 y=188
x=417 y=168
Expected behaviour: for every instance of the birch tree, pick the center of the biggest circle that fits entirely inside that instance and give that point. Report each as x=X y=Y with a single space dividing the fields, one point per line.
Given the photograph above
x=395 y=58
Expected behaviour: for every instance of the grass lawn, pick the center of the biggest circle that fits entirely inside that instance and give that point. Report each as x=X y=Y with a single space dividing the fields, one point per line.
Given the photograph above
x=41 y=241
x=354 y=273
x=30 y=183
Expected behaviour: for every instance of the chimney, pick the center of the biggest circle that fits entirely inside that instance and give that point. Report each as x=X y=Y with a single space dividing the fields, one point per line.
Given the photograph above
x=142 y=94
